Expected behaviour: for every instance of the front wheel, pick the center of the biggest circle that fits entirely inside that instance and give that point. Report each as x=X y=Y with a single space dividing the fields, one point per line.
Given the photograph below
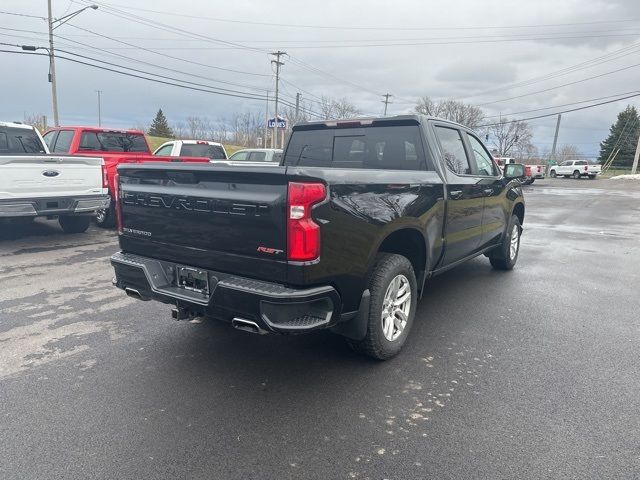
x=74 y=224
x=553 y=174
x=576 y=175
x=393 y=289
x=506 y=255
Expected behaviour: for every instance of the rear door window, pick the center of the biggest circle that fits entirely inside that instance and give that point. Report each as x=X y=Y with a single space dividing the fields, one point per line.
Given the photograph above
x=49 y=139
x=240 y=156
x=453 y=152
x=375 y=147
x=257 y=156
x=63 y=142
x=166 y=150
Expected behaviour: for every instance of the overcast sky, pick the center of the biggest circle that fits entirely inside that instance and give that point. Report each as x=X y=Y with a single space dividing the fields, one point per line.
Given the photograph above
x=470 y=50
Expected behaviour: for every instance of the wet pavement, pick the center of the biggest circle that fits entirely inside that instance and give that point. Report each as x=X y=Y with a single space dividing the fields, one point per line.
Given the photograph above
x=532 y=373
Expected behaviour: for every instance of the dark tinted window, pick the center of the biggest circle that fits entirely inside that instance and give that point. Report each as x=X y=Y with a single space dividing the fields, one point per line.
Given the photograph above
x=112 y=142
x=376 y=147
x=453 y=150
x=49 y=139
x=215 y=152
x=63 y=142
x=257 y=156
x=581 y=162
x=19 y=140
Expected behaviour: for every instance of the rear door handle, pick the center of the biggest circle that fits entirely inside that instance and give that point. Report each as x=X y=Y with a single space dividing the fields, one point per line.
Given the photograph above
x=455 y=194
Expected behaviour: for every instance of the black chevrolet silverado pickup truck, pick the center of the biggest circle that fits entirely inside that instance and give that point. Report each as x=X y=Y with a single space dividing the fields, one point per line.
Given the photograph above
x=342 y=235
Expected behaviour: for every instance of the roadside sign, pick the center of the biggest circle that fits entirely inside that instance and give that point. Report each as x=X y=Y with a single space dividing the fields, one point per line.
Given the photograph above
x=282 y=123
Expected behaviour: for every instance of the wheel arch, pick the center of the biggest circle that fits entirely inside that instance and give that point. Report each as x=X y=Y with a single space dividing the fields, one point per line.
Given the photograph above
x=518 y=211
x=410 y=243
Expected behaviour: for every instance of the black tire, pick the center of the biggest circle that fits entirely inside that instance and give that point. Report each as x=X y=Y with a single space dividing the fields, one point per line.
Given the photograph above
x=501 y=258
x=375 y=344
x=106 y=218
x=553 y=174
x=576 y=174
x=74 y=224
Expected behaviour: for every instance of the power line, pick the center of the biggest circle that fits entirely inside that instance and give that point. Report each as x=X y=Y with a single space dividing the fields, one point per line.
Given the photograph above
x=376 y=28
x=206 y=90
x=579 y=66
x=560 y=86
x=562 y=111
x=22 y=15
x=168 y=56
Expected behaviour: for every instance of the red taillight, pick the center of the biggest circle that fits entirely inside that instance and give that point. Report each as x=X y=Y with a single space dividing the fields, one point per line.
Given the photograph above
x=117 y=207
x=105 y=177
x=303 y=234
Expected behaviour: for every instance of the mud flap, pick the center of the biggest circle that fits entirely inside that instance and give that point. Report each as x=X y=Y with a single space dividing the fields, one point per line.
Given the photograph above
x=356 y=327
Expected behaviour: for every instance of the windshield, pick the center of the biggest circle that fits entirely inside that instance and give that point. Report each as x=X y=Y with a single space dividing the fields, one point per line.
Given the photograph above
x=113 y=142
x=19 y=140
x=215 y=152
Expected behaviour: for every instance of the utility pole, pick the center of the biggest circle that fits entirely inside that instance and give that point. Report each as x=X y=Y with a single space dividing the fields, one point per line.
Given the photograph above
x=278 y=64
x=53 y=24
x=52 y=68
x=635 y=158
x=555 y=142
x=266 y=121
x=99 y=109
x=297 y=105
x=386 y=102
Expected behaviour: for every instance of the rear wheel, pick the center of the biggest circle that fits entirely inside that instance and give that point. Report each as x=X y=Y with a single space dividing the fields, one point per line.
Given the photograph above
x=74 y=224
x=393 y=289
x=106 y=218
x=505 y=256
x=576 y=174
x=553 y=174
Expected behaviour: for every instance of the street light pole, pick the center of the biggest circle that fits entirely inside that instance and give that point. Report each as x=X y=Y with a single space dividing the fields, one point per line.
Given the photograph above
x=53 y=24
x=99 y=109
x=52 y=69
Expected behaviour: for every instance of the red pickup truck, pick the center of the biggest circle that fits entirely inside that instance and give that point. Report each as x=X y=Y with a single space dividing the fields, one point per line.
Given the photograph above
x=115 y=146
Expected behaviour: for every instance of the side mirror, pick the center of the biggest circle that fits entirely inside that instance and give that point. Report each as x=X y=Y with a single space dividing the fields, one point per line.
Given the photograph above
x=514 y=170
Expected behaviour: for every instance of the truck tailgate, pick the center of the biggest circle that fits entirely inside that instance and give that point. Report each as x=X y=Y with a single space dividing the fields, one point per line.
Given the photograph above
x=34 y=176
x=228 y=219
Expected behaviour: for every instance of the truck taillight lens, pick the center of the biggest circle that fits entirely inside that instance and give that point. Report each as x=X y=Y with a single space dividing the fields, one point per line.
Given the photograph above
x=118 y=205
x=105 y=177
x=303 y=234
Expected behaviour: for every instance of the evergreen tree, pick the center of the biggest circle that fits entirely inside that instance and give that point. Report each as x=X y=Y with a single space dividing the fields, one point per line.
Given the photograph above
x=160 y=127
x=623 y=135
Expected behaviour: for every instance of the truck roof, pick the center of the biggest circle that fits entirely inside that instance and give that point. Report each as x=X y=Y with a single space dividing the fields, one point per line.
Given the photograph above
x=418 y=119
x=98 y=129
x=16 y=125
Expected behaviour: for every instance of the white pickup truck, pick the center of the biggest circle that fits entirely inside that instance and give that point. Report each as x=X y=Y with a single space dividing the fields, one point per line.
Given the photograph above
x=575 y=169
x=192 y=148
x=34 y=183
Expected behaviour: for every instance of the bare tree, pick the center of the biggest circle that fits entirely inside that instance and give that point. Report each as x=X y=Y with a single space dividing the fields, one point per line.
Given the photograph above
x=511 y=137
x=36 y=120
x=335 y=108
x=568 y=152
x=454 y=110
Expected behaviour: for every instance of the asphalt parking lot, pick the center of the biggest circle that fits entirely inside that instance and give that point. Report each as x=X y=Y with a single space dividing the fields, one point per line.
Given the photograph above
x=532 y=373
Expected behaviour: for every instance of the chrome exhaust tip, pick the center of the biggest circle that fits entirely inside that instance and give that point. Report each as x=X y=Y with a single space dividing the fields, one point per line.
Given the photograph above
x=247 y=326
x=133 y=293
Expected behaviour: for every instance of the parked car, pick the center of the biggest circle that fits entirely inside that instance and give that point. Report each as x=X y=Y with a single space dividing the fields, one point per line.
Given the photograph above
x=342 y=235
x=192 y=148
x=575 y=169
x=114 y=146
x=34 y=183
x=257 y=155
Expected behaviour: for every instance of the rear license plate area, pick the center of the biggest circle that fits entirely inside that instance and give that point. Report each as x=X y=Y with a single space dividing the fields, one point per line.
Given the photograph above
x=193 y=279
